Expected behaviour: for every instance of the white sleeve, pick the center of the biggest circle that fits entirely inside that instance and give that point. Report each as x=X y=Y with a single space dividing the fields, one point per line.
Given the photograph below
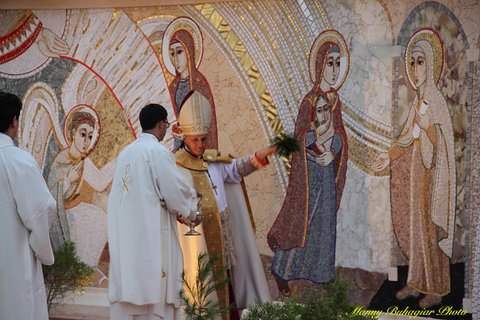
x=39 y=236
x=178 y=196
x=35 y=204
x=230 y=172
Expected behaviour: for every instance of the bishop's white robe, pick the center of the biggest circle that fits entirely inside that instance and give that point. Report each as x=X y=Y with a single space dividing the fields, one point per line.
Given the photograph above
x=26 y=204
x=247 y=273
x=147 y=192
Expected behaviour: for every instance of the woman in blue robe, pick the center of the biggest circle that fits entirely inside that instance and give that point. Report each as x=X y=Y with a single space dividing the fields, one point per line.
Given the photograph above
x=303 y=235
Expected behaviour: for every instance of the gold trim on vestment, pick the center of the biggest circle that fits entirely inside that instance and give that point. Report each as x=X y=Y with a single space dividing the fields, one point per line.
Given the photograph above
x=211 y=223
x=212 y=155
x=186 y=160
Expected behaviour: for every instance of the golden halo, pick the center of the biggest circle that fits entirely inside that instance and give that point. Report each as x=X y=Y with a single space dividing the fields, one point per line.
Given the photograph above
x=431 y=37
x=192 y=27
x=68 y=122
x=336 y=37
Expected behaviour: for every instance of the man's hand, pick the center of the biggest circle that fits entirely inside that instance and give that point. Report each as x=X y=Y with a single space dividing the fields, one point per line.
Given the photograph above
x=265 y=152
x=182 y=220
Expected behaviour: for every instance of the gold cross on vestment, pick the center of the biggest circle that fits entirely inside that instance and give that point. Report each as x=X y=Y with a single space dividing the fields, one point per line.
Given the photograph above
x=124 y=186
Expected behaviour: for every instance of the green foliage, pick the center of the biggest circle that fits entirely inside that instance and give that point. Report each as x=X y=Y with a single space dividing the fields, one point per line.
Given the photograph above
x=331 y=304
x=274 y=311
x=67 y=274
x=197 y=296
x=286 y=144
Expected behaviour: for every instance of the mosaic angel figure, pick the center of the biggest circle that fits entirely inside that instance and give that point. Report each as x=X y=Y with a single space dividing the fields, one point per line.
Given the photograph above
x=71 y=175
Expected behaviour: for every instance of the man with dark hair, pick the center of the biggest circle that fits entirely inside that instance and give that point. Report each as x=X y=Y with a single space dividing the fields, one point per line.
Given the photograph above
x=10 y=111
x=148 y=194
x=26 y=205
x=149 y=115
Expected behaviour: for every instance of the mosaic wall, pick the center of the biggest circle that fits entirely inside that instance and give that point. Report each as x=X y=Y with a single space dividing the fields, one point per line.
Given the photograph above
x=83 y=76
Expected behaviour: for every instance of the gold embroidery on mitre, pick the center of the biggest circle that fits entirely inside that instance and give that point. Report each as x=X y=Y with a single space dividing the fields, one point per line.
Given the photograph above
x=195 y=116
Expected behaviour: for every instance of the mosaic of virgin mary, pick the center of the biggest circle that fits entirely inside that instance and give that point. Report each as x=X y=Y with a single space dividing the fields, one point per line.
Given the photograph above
x=304 y=233
x=182 y=49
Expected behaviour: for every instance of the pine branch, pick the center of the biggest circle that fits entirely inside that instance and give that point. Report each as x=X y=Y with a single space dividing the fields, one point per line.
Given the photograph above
x=67 y=274
x=195 y=296
x=286 y=144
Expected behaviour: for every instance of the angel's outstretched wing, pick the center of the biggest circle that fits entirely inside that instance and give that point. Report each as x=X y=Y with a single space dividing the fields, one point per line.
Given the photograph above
x=39 y=120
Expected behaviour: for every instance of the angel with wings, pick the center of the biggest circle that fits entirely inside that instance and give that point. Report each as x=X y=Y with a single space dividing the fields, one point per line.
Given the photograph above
x=72 y=176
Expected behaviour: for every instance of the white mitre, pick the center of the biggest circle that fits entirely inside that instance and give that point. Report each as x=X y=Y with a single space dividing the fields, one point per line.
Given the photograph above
x=195 y=115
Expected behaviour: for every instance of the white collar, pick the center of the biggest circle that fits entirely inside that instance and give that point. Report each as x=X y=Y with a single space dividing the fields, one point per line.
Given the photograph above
x=5 y=140
x=147 y=136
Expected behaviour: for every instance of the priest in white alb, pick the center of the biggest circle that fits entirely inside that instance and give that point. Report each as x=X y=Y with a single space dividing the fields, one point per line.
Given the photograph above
x=26 y=204
x=148 y=193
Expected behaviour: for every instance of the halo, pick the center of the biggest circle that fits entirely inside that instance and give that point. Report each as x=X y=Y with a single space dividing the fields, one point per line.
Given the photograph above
x=192 y=27
x=68 y=122
x=336 y=37
x=432 y=37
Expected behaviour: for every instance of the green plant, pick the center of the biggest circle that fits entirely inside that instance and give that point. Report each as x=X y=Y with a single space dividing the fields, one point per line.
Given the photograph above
x=329 y=304
x=286 y=144
x=67 y=274
x=197 y=296
x=275 y=311
x=333 y=304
